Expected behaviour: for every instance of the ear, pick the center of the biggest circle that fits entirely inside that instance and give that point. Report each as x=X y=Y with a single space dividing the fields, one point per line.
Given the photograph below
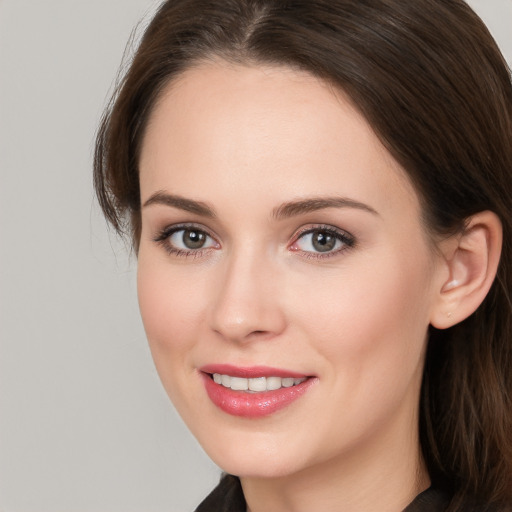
x=468 y=268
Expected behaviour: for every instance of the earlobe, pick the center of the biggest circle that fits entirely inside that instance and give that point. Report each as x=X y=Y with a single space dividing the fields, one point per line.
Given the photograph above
x=470 y=261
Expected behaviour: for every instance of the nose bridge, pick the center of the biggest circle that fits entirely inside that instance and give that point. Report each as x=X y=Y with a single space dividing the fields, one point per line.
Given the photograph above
x=246 y=304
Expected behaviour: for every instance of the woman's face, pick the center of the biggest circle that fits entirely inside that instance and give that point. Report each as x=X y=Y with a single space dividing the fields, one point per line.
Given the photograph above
x=281 y=244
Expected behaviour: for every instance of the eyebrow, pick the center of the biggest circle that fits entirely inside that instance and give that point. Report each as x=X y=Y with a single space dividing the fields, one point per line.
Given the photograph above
x=182 y=203
x=284 y=211
x=302 y=206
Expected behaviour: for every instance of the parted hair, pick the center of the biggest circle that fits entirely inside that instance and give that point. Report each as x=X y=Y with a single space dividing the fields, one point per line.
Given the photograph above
x=430 y=80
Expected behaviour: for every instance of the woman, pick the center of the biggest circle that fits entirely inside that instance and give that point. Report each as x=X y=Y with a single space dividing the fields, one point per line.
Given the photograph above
x=319 y=196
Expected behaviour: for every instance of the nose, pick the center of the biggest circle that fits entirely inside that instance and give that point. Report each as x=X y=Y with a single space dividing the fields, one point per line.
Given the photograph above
x=246 y=306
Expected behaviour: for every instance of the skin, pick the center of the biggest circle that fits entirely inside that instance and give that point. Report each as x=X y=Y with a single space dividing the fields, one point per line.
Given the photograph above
x=244 y=141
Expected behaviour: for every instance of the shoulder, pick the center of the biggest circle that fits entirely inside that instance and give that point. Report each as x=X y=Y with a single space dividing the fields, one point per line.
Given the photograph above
x=226 y=497
x=434 y=500
x=431 y=500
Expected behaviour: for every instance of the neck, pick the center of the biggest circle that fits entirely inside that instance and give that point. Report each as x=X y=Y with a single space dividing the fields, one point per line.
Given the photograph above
x=384 y=474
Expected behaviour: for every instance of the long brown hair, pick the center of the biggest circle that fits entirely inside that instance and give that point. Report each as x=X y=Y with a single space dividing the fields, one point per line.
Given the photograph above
x=430 y=80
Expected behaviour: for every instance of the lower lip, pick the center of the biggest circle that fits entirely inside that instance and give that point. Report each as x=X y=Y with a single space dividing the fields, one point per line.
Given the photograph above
x=253 y=405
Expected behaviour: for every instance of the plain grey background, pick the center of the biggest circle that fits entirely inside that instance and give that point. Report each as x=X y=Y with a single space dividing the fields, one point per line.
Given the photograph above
x=84 y=423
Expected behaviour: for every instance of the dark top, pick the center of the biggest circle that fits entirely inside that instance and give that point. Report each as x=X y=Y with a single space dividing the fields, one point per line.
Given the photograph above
x=228 y=497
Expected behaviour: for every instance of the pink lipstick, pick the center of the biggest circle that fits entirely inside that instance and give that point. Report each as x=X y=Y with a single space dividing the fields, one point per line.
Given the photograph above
x=255 y=391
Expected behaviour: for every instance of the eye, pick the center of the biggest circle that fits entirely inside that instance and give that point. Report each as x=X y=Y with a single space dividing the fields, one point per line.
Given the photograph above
x=323 y=240
x=190 y=239
x=185 y=240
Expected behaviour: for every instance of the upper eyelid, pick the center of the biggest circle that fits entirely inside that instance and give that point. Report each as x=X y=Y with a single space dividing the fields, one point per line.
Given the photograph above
x=297 y=232
x=321 y=227
x=173 y=228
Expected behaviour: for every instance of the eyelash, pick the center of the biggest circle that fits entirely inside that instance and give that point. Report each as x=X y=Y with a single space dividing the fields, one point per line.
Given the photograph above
x=347 y=240
x=162 y=238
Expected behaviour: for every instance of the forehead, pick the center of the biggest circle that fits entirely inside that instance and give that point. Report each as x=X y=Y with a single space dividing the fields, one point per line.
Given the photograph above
x=271 y=131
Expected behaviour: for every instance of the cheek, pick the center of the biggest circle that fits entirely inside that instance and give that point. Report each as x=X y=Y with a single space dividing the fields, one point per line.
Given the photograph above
x=170 y=305
x=370 y=329
x=372 y=318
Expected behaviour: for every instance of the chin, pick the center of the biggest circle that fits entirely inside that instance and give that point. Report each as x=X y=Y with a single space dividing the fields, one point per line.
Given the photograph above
x=262 y=468
x=254 y=455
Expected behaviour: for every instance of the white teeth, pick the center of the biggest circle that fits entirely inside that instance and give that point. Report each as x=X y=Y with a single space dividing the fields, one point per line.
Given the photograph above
x=274 y=383
x=288 y=382
x=239 y=384
x=257 y=384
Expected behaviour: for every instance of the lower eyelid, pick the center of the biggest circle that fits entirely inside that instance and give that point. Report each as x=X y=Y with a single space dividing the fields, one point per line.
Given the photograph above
x=186 y=253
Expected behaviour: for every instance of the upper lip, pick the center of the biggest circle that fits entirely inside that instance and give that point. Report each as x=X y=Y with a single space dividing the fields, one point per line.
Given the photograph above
x=250 y=372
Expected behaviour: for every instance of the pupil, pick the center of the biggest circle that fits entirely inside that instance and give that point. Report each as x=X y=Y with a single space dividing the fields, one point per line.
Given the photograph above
x=193 y=239
x=323 y=242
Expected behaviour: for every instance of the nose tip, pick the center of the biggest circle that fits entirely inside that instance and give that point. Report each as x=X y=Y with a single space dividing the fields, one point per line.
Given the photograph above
x=243 y=327
x=243 y=321
x=246 y=308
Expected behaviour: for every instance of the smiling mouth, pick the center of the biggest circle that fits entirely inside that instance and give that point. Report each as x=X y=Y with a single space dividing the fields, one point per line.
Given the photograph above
x=253 y=391
x=257 y=384
x=254 y=396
